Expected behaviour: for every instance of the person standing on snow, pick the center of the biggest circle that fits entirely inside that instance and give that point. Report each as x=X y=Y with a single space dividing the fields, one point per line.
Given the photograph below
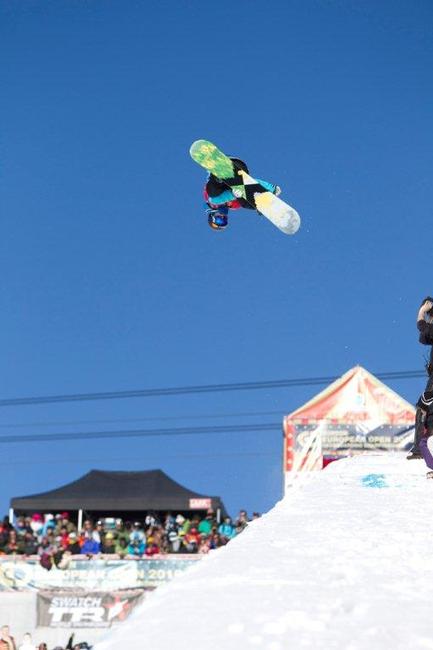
x=424 y=406
x=220 y=198
x=27 y=643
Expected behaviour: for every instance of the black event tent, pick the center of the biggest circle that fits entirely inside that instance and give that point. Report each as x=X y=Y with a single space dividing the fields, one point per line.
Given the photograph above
x=101 y=491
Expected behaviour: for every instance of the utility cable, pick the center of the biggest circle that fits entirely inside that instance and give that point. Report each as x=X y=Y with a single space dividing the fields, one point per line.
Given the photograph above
x=205 y=388
x=141 y=433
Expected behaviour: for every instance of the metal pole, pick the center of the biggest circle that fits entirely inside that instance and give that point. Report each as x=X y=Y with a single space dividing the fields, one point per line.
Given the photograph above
x=11 y=516
x=80 y=520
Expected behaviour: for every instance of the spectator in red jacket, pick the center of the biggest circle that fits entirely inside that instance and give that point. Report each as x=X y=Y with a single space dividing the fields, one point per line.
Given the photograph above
x=204 y=546
x=192 y=540
x=152 y=547
x=7 y=642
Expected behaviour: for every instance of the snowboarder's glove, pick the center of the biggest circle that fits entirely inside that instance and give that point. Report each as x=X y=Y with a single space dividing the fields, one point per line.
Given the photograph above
x=277 y=190
x=425 y=309
x=428 y=299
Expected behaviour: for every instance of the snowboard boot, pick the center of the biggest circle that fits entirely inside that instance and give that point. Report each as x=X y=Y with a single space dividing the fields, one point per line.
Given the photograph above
x=415 y=453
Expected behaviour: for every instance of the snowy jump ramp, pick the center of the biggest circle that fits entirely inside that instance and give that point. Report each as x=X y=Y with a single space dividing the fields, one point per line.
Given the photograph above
x=345 y=562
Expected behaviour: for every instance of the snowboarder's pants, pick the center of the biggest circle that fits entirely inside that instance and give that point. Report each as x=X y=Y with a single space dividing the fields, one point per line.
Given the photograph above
x=424 y=415
x=425 y=451
x=419 y=428
x=425 y=402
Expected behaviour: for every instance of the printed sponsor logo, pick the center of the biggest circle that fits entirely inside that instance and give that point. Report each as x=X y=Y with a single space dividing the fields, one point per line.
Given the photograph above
x=66 y=610
x=200 y=504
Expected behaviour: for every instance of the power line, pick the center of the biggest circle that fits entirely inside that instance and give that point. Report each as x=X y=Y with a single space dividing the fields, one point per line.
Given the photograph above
x=101 y=461
x=141 y=433
x=205 y=388
x=159 y=418
x=147 y=433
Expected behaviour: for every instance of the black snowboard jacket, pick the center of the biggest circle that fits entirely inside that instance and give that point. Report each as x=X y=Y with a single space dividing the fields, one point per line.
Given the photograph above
x=425 y=329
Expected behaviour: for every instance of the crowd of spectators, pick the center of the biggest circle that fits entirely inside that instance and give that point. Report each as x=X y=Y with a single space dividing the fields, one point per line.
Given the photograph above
x=55 y=538
x=8 y=642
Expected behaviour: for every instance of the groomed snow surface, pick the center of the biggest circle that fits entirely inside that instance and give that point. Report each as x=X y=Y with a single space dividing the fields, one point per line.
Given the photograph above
x=344 y=562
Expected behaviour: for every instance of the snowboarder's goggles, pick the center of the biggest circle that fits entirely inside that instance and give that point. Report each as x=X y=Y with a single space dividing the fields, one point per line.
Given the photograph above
x=219 y=219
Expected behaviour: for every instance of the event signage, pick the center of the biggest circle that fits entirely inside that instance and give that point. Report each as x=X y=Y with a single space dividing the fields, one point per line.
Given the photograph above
x=65 y=609
x=94 y=574
x=355 y=414
x=200 y=504
x=349 y=438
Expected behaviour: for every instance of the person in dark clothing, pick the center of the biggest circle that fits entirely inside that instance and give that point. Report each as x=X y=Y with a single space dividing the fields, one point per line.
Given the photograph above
x=30 y=544
x=424 y=406
x=14 y=545
x=73 y=546
x=108 y=546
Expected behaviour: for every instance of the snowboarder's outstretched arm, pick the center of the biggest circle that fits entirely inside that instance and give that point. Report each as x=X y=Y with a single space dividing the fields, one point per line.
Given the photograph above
x=275 y=189
x=227 y=196
x=220 y=199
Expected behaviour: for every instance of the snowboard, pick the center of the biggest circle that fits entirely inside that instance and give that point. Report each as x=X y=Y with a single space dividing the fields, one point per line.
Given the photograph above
x=282 y=215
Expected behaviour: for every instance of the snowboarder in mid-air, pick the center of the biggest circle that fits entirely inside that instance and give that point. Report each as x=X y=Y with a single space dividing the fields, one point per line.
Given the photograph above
x=424 y=406
x=230 y=185
x=220 y=198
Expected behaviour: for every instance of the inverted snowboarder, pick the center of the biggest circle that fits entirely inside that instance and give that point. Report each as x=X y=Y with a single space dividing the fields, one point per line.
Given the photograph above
x=424 y=406
x=220 y=198
x=230 y=186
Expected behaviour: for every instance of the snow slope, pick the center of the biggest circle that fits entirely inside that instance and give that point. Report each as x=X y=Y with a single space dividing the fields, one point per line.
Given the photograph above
x=344 y=562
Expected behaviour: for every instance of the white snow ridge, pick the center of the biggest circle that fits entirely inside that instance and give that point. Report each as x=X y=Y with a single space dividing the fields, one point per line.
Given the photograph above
x=344 y=562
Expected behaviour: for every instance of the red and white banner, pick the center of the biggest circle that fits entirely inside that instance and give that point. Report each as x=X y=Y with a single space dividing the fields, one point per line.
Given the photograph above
x=355 y=414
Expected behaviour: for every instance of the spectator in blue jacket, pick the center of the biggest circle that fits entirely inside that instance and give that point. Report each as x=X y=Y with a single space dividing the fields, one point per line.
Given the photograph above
x=49 y=524
x=137 y=533
x=136 y=547
x=90 y=547
x=226 y=529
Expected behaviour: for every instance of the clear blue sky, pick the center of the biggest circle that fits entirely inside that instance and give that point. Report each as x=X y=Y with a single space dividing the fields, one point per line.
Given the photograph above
x=110 y=276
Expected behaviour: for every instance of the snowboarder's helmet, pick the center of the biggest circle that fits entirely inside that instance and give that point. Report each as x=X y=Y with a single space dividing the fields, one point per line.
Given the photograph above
x=217 y=220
